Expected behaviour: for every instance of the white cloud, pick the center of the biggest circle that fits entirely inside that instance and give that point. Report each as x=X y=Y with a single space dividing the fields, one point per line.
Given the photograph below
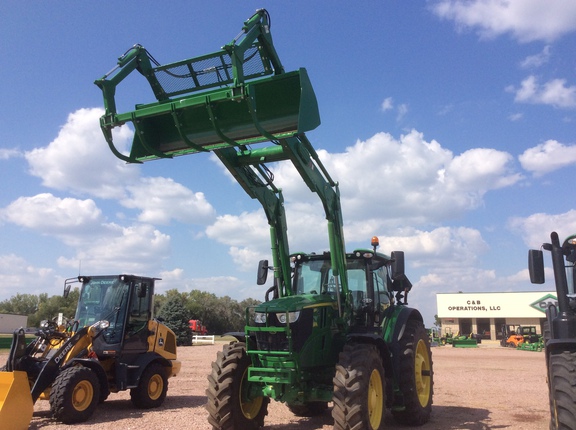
x=79 y=160
x=441 y=247
x=6 y=153
x=547 y=157
x=555 y=92
x=536 y=228
x=413 y=181
x=245 y=234
x=537 y=60
x=21 y=277
x=402 y=111
x=162 y=199
x=389 y=184
x=387 y=104
x=217 y=285
x=526 y=20
x=137 y=249
x=100 y=246
x=66 y=218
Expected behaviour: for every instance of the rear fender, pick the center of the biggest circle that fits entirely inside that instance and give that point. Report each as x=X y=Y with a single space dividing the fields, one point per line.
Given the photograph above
x=239 y=335
x=376 y=340
x=146 y=360
x=394 y=327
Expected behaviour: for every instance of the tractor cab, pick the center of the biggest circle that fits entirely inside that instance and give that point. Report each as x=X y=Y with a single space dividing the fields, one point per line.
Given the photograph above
x=368 y=284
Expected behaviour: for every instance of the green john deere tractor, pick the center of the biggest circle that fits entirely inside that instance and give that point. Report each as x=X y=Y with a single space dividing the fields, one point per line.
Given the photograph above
x=560 y=328
x=336 y=326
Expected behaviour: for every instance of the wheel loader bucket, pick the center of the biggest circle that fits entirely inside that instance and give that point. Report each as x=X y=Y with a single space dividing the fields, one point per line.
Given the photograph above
x=16 y=406
x=233 y=97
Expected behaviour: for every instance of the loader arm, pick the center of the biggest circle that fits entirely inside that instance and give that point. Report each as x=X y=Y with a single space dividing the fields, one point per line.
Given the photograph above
x=227 y=102
x=250 y=171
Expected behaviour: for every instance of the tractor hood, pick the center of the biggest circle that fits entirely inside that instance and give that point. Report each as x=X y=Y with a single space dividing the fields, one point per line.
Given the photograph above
x=296 y=303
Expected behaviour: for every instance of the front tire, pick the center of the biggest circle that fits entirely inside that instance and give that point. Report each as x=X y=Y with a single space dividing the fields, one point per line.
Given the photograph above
x=228 y=407
x=562 y=366
x=152 y=388
x=74 y=395
x=416 y=376
x=359 y=389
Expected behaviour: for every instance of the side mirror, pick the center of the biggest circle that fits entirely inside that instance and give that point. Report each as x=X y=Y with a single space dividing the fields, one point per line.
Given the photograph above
x=397 y=265
x=68 y=285
x=262 y=272
x=536 y=266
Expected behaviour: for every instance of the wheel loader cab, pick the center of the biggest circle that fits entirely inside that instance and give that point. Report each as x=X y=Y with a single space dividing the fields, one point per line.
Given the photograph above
x=125 y=303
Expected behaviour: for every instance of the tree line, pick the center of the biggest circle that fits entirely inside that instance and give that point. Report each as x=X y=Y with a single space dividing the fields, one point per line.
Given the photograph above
x=218 y=314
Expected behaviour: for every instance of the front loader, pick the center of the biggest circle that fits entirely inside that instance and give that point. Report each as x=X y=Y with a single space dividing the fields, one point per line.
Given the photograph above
x=335 y=326
x=560 y=328
x=112 y=344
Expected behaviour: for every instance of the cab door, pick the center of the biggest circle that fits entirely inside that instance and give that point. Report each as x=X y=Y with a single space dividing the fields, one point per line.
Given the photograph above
x=136 y=334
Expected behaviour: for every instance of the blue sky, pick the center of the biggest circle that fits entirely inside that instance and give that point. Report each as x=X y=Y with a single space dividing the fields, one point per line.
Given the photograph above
x=450 y=126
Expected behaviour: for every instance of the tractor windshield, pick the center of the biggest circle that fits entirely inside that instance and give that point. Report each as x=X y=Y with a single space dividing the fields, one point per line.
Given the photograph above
x=102 y=298
x=316 y=277
x=367 y=295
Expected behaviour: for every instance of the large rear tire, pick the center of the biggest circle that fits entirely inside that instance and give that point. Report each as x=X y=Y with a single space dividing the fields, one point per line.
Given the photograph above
x=227 y=406
x=359 y=389
x=562 y=366
x=74 y=395
x=416 y=375
x=152 y=388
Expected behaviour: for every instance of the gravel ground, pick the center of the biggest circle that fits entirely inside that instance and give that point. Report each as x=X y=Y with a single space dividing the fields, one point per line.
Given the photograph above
x=474 y=388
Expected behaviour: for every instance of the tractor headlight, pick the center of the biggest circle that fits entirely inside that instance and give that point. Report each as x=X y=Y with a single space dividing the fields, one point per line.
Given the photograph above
x=260 y=318
x=292 y=317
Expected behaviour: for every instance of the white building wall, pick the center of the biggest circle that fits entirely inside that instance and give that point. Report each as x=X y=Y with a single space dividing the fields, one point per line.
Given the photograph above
x=520 y=308
x=11 y=322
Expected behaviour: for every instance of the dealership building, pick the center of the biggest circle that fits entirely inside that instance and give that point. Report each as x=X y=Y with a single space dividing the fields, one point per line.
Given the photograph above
x=486 y=313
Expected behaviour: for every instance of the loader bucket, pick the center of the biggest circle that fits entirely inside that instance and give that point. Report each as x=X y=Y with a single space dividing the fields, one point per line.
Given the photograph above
x=236 y=96
x=273 y=108
x=16 y=406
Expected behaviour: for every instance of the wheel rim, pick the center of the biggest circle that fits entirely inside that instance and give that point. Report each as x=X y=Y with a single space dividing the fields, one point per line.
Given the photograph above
x=250 y=408
x=82 y=395
x=155 y=387
x=422 y=373
x=375 y=399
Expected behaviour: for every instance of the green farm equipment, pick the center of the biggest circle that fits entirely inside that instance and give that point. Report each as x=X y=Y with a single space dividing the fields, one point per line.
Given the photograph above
x=560 y=328
x=335 y=326
x=434 y=336
x=448 y=336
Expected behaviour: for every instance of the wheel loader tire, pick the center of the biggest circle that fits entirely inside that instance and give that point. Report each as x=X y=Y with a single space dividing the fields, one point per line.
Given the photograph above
x=226 y=382
x=359 y=389
x=416 y=376
x=74 y=395
x=562 y=390
x=310 y=409
x=152 y=387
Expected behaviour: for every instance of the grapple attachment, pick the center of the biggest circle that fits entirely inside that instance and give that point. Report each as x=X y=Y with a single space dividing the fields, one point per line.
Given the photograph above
x=16 y=406
x=233 y=97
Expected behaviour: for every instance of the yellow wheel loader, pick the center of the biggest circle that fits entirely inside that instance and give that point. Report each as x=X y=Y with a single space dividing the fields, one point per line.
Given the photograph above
x=113 y=344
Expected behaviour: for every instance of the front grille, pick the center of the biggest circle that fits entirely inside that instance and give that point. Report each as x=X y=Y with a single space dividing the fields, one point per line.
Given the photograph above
x=272 y=341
